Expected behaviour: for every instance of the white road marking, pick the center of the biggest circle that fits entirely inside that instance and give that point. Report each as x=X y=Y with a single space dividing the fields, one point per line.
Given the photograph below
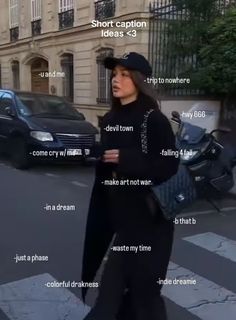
x=205 y=299
x=196 y=213
x=5 y=165
x=31 y=299
x=79 y=184
x=215 y=243
x=48 y=174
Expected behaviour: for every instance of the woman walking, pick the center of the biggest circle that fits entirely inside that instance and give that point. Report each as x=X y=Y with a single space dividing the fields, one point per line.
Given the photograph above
x=119 y=206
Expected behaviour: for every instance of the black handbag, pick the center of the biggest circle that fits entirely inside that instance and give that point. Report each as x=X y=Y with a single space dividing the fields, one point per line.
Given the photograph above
x=175 y=194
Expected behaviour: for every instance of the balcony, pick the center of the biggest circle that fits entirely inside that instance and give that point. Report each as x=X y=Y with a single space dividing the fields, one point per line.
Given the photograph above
x=14 y=34
x=66 y=19
x=36 y=27
x=105 y=9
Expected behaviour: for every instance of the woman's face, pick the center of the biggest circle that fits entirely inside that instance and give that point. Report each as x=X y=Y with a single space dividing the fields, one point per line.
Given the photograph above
x=122 y=84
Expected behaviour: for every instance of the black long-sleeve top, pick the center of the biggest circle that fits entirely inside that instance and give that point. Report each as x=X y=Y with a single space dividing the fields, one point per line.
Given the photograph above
x=126 y=202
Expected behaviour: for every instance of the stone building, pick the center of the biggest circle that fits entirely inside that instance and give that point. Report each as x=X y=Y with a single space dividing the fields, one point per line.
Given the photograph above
x=56 y=46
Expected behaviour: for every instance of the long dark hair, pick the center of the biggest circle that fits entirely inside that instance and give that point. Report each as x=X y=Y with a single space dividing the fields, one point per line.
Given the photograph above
x=146 y=92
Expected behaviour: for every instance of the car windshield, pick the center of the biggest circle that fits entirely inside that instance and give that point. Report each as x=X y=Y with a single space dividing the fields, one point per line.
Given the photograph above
x=45 y=106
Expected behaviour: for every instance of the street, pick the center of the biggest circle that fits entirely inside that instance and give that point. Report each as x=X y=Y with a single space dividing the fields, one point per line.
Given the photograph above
x=43 y=216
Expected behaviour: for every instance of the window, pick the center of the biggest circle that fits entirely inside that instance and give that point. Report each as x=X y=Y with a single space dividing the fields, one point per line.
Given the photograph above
x=104 y=88
x=105 y=9
x=34 y=104
x=16 y=74
x=66 y=5
x=35 y=10
x=14 y=14
x=66 y=14
x=6 y=102
x=36 y=17
x=14 y=19
x=68 y=81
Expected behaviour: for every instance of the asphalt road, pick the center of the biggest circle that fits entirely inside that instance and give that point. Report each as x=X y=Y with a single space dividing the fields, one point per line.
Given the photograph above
x=40 y=247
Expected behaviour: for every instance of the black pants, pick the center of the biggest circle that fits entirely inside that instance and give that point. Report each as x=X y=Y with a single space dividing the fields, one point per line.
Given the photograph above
x=129 y=288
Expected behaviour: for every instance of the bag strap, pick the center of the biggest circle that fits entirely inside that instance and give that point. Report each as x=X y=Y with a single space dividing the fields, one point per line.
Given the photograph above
x=144 y=131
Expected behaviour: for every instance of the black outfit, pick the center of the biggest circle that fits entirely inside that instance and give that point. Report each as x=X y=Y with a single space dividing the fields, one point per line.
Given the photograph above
x=123 y=211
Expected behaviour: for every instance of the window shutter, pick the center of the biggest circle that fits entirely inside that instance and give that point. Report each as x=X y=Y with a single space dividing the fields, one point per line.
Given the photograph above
x=66 y=5
x=13 y=13
x=35 y=10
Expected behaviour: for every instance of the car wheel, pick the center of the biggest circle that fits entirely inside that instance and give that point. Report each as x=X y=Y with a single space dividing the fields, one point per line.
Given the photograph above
x=19 y=154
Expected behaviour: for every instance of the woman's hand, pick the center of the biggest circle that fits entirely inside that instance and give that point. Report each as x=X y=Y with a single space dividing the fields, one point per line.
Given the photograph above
x=111 y=156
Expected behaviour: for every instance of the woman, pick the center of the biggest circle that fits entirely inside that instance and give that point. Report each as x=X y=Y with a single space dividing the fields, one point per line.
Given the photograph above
x=129 y=286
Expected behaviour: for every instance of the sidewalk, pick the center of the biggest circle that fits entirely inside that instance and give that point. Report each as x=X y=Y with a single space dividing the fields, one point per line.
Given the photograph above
x=228 y=203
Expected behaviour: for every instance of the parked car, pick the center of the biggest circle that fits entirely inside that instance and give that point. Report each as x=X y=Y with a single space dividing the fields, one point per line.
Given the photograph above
x=35 y=126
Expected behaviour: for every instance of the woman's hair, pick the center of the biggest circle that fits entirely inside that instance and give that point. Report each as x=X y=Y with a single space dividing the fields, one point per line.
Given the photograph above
x=146 y=91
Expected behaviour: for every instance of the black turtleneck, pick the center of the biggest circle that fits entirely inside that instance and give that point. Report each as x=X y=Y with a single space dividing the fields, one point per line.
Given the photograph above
x=133 y=163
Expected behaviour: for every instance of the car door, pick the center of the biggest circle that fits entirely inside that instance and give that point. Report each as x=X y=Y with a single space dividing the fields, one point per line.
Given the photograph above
x=7 y=112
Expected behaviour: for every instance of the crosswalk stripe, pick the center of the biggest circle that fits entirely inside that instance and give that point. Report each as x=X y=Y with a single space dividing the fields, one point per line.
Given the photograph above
x=32 y=299
x=215 y=243
x=205 y=299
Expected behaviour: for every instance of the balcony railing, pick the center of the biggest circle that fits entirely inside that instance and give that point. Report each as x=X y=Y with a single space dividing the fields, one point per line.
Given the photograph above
x=105 y=9
x=36 y=27
x=66 y=19
x=14 y=34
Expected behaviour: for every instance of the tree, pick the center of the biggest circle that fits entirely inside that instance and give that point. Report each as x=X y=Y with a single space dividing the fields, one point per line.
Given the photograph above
x=217 y=58
x=198 y=32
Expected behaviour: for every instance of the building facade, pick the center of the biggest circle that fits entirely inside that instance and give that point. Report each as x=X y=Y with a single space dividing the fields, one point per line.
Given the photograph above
x=57 y=46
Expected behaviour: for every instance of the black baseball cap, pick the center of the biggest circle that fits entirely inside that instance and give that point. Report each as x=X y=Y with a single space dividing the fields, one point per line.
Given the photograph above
x=130 y=60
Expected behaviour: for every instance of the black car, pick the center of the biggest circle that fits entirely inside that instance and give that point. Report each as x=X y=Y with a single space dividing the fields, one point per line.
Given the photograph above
x=36 y=126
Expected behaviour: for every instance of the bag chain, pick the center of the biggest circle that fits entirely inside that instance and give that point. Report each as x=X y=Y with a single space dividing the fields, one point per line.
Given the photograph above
x=144 y=131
